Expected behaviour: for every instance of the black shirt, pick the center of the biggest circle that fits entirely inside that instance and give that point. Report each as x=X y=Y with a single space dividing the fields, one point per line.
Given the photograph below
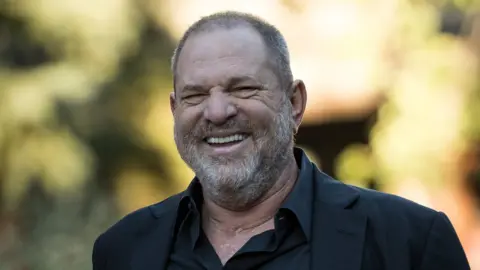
x=285 y=247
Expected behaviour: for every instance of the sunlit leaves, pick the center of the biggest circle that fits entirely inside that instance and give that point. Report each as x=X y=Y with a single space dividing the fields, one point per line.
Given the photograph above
x=56 y=159
x=356 y=165
x=422 y=125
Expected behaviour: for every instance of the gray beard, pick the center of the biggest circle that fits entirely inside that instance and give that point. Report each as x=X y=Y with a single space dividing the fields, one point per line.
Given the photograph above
x=241 y=183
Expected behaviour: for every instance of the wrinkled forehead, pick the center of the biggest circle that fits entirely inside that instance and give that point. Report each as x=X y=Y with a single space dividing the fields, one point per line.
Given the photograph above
x=211 y=58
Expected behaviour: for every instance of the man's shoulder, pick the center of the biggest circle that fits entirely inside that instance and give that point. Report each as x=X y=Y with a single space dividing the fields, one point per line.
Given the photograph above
x=390 y=201
x=393 y=208
x=140 y=220
x=369 y=201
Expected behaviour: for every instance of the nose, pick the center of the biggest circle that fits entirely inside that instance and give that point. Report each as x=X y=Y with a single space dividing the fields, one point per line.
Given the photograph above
x=219 y=108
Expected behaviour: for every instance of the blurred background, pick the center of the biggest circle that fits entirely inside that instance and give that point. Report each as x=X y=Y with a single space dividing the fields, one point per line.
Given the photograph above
x=86 y=134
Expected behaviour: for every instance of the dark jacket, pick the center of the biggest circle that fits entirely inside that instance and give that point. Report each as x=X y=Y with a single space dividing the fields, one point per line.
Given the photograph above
x=352 y=229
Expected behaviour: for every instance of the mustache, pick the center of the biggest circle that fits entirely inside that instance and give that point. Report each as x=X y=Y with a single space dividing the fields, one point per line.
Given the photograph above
x=205 y=128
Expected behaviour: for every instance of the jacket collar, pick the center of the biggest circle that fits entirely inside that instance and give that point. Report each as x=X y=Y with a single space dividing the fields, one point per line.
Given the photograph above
x=338 y=228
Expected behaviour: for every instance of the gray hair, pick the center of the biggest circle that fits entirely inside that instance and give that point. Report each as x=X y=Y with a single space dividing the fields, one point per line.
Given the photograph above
x=273 y=39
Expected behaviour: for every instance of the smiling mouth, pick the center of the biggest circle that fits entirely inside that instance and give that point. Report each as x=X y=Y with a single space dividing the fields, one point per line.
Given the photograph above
x=226 y=140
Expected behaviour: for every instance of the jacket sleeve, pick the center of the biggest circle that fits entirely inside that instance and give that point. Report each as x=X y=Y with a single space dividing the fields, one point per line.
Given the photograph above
x=443 y=249
x=98 y=255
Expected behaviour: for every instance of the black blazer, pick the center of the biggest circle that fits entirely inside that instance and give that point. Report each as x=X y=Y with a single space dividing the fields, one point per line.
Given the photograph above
x=352 y=229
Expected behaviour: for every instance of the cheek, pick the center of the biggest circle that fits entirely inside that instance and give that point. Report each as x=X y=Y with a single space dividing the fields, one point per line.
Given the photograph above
x=259 y=115
x=186 y=120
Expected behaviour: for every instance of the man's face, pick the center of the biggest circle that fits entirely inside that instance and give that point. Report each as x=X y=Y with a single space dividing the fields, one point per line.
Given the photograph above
x=233 y=121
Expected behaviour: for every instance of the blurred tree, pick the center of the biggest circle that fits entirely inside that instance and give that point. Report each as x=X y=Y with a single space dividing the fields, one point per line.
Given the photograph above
x=78 y=81
x=428 y=127
x=432 y=100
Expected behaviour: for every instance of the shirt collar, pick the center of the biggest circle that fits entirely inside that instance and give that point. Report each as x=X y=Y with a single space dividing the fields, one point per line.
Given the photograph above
x=299 y=201
x=192 y=198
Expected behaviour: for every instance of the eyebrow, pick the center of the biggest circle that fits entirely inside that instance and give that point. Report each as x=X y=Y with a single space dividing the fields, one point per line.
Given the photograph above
x=229 y=83
x=193 y=88
x=236 y=80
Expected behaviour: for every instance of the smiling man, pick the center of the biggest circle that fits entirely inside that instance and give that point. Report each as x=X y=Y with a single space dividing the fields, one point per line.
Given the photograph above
x=257 y=202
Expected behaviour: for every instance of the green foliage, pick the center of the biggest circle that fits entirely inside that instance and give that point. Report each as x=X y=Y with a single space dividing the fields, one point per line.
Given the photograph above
x=76 y=78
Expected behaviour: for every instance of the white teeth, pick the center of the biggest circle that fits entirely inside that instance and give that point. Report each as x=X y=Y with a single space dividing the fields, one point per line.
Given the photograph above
x=229 y=139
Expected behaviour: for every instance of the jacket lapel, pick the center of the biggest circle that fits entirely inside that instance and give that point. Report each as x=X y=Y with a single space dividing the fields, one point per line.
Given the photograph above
x=152 y=250
x=338 y=239
x=338 y=231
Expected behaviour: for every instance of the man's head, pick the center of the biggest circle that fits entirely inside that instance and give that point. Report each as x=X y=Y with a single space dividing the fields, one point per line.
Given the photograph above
x=235 y=105
x=273 y=40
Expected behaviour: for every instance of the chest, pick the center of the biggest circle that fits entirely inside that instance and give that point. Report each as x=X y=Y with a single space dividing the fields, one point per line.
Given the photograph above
x=226 y=250
x=265 y=251
x=227 y=245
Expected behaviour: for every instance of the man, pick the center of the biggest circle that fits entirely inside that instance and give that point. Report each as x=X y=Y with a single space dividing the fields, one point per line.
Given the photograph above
x=257 y=202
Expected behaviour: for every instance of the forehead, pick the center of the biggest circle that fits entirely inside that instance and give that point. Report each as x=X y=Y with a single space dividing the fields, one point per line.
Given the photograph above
x=213 y=57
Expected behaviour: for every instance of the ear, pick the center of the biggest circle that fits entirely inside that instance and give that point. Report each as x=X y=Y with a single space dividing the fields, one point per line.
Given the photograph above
x=299 y=102
x=173 y=102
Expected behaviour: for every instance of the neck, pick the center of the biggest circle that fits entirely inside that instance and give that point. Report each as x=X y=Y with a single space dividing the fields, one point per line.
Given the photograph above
x=233 y=222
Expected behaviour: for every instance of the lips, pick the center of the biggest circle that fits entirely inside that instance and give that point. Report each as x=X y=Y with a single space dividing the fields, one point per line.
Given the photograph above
x=225 y=139
x=226 y=145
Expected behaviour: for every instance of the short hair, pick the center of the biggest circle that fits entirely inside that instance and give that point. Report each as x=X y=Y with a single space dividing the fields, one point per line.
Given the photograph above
x=271 y=36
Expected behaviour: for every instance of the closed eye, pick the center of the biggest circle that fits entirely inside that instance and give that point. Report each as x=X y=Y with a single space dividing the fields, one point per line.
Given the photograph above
x=194 y=98
x=241 y=88
x=245 y=91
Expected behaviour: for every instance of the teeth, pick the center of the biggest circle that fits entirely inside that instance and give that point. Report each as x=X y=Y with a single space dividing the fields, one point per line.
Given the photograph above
x=229 y=139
